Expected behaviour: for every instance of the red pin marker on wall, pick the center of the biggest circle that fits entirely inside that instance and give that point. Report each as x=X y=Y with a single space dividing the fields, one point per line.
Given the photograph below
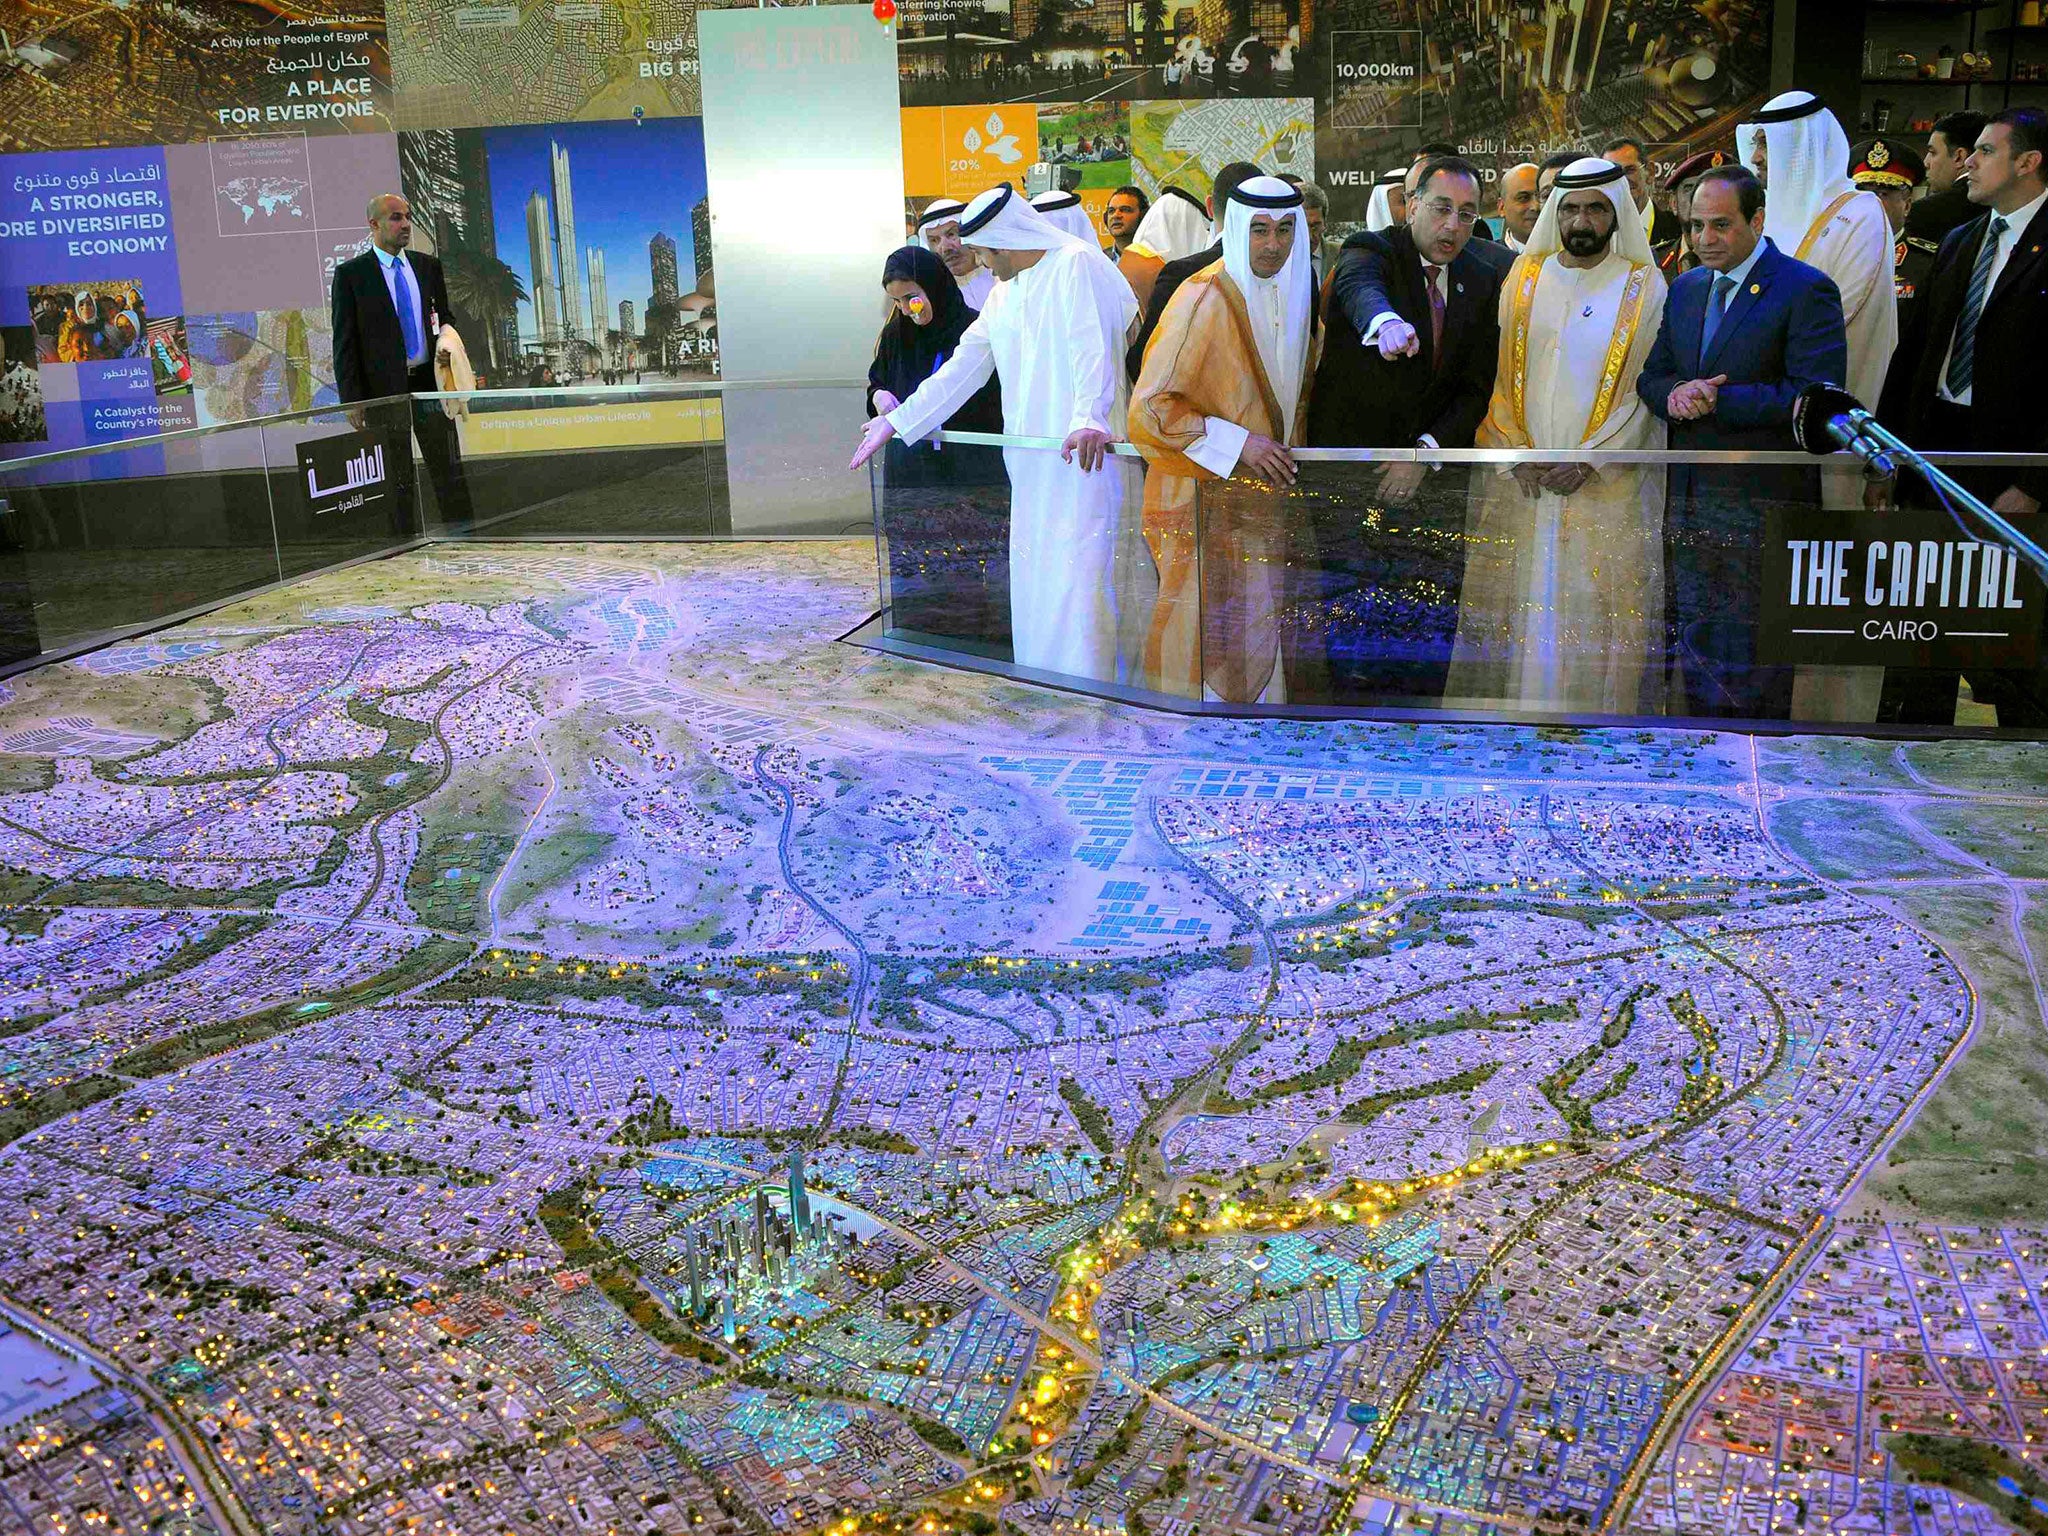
x=885 y=11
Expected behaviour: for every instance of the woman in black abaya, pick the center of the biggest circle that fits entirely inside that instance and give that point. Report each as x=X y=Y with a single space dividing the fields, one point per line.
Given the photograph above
x=942 y=509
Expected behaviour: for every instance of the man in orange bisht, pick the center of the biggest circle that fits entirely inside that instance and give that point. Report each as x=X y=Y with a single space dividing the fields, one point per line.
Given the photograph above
x=1221 y=399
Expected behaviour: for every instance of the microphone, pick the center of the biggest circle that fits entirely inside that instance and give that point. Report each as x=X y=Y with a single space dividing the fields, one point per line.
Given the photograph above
x=1826 y=417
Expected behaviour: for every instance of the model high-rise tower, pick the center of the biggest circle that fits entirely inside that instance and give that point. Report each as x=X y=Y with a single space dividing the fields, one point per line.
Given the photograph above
x=429 y=168
x=700 y=239
x=799 y=1205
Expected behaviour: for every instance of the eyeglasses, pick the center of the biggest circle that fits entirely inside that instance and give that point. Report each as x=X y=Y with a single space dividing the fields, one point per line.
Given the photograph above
x=1444 y=208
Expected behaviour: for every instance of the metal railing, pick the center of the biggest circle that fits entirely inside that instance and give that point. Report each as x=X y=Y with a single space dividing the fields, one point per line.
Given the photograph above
x=1508 y=457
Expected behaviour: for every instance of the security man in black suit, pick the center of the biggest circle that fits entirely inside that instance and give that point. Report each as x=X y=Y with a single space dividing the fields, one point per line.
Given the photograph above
x=1947 y=205
x=390 y=308
x=1971 y=375
x=1411 y=344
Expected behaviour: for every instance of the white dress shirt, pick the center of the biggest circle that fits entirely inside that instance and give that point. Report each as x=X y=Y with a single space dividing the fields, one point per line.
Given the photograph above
x=2016 y=224
x=387 y=262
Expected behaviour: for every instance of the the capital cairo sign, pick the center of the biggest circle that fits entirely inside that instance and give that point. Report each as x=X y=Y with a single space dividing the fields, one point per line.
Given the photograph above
x=1907 y=589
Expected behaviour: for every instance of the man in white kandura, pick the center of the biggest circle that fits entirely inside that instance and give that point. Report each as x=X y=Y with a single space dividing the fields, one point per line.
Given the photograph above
x=1176 y=227
x=1815 y=213
x=1063 y=210
x=1388 y=204
x=1563 y=601
x=1054 y=333
x=939 y=228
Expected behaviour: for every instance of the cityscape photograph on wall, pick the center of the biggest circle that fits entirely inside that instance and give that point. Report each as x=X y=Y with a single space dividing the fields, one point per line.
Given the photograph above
x=604 y=197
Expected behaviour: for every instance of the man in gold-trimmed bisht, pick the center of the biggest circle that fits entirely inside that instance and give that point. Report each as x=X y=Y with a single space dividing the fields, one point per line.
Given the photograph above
x=1814 y=212
x=1563 y=601
x=1221 y=399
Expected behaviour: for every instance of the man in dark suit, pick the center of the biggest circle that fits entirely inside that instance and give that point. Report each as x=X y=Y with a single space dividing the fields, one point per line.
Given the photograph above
x=1947 y=205
x=1972 y=374
x=1485 y=243
x=1743 y=333
x=390 y=309
x=1174 y=273
x=1627 y=153
x=1411 y=342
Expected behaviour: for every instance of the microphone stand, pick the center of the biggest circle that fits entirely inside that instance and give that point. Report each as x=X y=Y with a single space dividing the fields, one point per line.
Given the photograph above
x=1883 y=449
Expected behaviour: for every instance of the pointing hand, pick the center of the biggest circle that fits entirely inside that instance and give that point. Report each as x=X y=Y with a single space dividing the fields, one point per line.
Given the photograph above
x=1397 y=338
x=872 y=436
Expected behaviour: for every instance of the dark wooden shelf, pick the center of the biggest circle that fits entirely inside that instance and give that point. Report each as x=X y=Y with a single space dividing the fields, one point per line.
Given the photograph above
x=2040 y=31
x=1921 y=7
x=1916 y=80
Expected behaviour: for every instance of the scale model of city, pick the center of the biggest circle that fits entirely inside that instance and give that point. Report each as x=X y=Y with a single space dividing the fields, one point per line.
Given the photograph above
x=550 y=1040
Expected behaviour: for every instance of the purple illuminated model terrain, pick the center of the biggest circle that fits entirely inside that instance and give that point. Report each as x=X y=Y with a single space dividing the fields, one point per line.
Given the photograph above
x=543 y=1039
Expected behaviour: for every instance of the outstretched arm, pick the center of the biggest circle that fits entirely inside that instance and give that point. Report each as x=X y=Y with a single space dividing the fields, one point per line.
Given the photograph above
x=950 y=387
x=1359 y=288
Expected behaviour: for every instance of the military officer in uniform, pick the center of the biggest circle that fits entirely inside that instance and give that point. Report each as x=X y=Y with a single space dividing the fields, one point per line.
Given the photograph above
x=1675 y=256
x=1894 y=171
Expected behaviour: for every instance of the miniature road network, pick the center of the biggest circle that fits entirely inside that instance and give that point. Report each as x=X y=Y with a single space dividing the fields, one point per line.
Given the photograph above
x=544 y=1039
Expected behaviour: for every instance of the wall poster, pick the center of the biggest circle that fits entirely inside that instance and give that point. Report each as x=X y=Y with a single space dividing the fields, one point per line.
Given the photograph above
x=216 y=157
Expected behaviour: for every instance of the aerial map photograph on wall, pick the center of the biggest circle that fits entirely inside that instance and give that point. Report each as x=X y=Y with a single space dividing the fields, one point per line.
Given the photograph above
x=547 y=1039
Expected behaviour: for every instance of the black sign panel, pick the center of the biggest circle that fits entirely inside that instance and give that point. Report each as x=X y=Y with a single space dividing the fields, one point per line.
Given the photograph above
x=349 y=478
x=1900 y=589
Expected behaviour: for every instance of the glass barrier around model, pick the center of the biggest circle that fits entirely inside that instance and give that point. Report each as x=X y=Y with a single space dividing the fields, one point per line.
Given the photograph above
x=113 y=535
x=689 y=459
x=118 y=535
x=1770 y=590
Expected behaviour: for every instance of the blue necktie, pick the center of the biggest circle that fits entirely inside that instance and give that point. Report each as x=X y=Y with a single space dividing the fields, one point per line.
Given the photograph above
x=1963 y=355
x=408 y=317
x=1717 y=308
